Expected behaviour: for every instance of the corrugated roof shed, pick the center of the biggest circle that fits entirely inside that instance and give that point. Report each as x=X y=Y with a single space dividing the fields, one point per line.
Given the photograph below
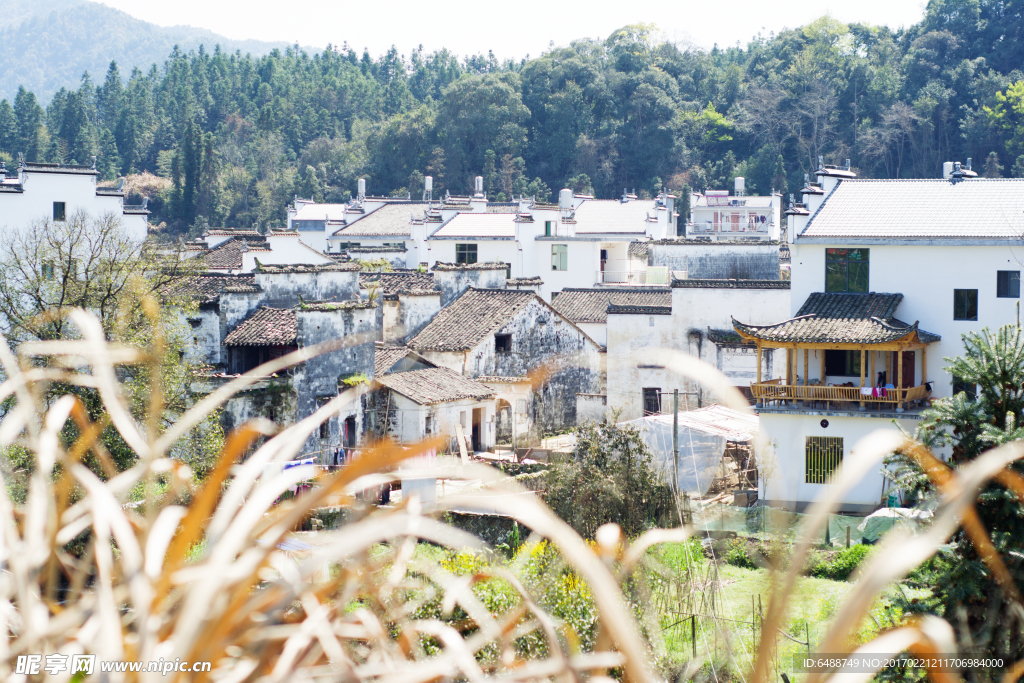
x=591 y=305
x=470 y=318
x=435 y=385
x=988 y=208
x=266 y=327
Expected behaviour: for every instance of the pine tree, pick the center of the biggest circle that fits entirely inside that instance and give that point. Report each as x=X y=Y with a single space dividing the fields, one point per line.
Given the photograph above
x=8 y=128
x=110 y=98
x=988 y=623
x=30 y=138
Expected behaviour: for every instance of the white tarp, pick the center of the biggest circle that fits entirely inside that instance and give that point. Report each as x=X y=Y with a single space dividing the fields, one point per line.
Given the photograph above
x=702 y=437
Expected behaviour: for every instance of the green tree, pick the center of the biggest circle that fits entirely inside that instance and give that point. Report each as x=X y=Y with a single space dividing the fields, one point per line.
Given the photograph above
x=986 y=620
x=609 y=478
x=30 y=136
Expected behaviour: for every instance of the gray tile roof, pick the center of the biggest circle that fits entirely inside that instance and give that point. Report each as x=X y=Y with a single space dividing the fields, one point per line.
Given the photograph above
x=639 y=310
x=308 y=268
x=638 y=250
x=483 y=265
x=266 y=327
x=228 y=255
x=469 y=319
x=206 y=289
x=234 y=232
x=696 y=283
x=500 y=379
x=591 y=305
x=614 y=216
x=397 y=281
x=829 y=318
x=390 y=220
x=988 y=208
x=482 y=225
x=727 y=338
x=435 y=385
x=386 y=355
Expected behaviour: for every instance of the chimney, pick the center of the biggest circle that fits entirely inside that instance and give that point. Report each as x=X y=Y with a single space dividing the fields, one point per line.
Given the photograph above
x=847 y=164
x=968 y=163
x=947 y=169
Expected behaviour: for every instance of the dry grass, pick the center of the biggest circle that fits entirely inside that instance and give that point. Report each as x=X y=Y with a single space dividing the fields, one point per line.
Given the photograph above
x=206 y=580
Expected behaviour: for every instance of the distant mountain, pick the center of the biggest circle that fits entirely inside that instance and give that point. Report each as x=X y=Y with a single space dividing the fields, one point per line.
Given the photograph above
x=48 y=44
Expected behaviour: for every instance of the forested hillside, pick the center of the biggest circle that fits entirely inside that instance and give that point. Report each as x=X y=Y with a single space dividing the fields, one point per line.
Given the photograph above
x=239 y=136
x=48 y=44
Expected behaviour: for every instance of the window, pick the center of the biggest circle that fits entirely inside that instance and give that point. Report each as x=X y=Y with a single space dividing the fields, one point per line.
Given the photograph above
x=842 y=363
x=652 y=401
x=822 y=455
x=465 y=253
x=559 y=256
x=503 y=343
x=547 y=228
x=58 y=211
x=962 y=387
x=1008 y=284
x=846 y=270
x=428 y=424
x=47 y=270
x=965 y=304
x=345 y=246
x=393 y=245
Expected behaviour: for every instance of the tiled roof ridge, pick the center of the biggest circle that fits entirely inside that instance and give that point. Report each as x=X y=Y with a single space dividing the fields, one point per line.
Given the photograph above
x=729 y=283
x=638 y=308
x=482 y=265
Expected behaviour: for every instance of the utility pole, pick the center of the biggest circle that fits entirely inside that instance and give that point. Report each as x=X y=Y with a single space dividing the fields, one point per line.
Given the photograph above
x=675 y=441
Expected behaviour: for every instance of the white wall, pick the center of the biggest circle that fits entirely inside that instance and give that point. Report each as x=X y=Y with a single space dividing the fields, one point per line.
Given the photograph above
x=926 y=276
x=412 y=424
x=77 y=191
x=502 y=251
x=783 y=438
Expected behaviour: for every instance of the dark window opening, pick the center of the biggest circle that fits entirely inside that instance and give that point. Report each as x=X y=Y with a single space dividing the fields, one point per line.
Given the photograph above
x=245 y=358
x=350 y=432
x=47 y=270
x=1008 y=284
x=652 y=402
x=465 y=253
x=842 y=363
x=846 y=270
x=962 y=387
x=965 y=304
x=547 y=228
x=59 y=211
x=503 y=343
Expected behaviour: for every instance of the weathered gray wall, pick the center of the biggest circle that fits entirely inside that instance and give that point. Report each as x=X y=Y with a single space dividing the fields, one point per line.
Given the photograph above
x=718 y=260
x=453 y=280
x=415 y=311
x=282 y=289
x=318 y=378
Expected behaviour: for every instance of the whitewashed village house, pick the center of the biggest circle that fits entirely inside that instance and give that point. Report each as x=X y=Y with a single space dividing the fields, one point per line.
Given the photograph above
x=717 y=215
x=886 y=277
x=55 y=192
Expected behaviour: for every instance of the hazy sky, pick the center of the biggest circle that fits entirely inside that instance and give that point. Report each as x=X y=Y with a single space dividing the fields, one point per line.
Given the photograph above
x=509 y=29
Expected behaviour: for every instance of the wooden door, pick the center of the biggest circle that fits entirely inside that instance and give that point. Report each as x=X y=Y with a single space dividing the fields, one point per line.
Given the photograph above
x=908 y=369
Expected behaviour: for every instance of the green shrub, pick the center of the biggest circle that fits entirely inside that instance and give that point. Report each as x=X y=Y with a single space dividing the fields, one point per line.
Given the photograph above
x=839 y=566
x=737 y=553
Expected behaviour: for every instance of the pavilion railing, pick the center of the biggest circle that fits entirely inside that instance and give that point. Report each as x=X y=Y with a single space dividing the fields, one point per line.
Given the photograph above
x=774 y=390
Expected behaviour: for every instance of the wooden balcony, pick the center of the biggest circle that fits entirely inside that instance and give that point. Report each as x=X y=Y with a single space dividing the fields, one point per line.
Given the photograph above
x=836 y=397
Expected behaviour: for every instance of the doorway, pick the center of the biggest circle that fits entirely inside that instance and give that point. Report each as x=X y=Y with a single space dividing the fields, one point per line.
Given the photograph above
x=478 y=426
x=908 y=368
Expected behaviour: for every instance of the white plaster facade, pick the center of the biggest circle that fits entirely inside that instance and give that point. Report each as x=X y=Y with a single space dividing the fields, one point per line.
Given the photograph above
x=38 y=192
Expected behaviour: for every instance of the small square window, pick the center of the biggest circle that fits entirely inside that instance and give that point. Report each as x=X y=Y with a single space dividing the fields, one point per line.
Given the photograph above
x=58 y=212
x=822 y=455
x=965 y=304
x=1008 y=284
x=503 y=343
x=559 y=257
x=465 y=253
x=962 y=387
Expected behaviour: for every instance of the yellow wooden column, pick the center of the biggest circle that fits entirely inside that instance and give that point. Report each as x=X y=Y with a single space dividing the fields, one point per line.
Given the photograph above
x=822 y=366
x=758 y=362
x=899 y=382
x=924 y=365
x=873 y=377
x=863 y=363
x=789 y=366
